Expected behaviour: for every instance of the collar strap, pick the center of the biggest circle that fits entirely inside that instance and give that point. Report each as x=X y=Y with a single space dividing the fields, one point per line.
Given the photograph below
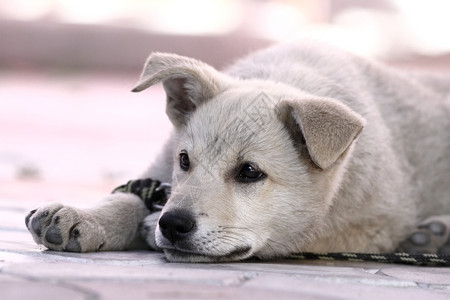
x=152 y=192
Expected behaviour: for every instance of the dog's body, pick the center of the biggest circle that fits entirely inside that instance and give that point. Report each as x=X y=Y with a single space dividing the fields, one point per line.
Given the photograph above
x=297 y=148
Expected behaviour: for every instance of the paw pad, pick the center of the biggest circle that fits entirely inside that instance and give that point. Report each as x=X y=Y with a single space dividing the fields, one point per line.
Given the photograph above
x=53 y=235
x=75 y=233
x=420 y=238
x=436 y=227
x=431 y=236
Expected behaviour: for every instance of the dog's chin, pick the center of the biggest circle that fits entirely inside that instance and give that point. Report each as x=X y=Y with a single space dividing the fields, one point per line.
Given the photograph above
x=175 y=255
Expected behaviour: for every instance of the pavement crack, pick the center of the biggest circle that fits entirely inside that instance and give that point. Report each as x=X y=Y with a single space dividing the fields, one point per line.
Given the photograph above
x=240 y=280
x=87 y=294
x=420 y=284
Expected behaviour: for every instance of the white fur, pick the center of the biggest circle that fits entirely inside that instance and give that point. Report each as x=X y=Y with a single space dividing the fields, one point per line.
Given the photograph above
x=355 y=154
x=395 y=173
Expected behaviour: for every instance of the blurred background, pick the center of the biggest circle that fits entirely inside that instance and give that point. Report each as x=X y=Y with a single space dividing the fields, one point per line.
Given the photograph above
x=70 y=130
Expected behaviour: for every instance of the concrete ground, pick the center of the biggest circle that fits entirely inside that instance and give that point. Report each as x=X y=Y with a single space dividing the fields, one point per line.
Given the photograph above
x=72 y=139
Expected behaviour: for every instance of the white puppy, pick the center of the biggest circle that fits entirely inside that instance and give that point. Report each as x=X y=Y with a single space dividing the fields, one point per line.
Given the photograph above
x=294 y=148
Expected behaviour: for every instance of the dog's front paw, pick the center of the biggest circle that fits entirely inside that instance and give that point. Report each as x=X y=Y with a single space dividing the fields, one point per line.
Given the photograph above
x=64 y=228
x=148 y=229
x=431 y=236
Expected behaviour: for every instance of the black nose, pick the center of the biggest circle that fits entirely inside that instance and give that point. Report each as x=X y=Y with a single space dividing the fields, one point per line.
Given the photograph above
x=176 y=225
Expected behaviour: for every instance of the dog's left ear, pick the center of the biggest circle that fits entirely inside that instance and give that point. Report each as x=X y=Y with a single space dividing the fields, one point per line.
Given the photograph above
x=188 y=83
x=327 y=127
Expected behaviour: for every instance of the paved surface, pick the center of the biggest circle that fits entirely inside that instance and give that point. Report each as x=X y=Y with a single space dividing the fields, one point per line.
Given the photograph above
x=72 y=140
x=28 y=271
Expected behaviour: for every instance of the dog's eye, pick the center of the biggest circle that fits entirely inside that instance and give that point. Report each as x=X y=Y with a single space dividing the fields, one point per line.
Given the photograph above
x=184 y=161
x=247 y=174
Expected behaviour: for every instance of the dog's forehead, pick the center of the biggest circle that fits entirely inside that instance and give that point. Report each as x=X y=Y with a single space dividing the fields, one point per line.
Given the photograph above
x=232 y=121
x=236 y=112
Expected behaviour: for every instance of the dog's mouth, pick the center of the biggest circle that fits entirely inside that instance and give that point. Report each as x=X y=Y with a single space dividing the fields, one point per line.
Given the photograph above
x=185 y=255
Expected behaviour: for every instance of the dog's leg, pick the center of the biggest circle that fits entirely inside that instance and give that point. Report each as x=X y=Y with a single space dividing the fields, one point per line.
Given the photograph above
x=113 y=224
x=148 y=230
x=430 y=236
x=116 y=223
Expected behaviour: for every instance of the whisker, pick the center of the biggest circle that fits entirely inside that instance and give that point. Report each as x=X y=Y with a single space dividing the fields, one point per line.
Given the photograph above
x=232 y=238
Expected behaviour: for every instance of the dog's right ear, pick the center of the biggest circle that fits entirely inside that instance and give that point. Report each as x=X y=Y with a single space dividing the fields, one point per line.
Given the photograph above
x=188 y=83
x=326 y=126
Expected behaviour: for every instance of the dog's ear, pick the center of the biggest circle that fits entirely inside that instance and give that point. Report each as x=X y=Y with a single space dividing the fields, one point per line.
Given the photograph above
x=188 y=83
x=326 y=126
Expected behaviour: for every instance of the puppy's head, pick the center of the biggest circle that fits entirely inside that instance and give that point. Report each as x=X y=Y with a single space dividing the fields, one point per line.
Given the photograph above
x=257 y=163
